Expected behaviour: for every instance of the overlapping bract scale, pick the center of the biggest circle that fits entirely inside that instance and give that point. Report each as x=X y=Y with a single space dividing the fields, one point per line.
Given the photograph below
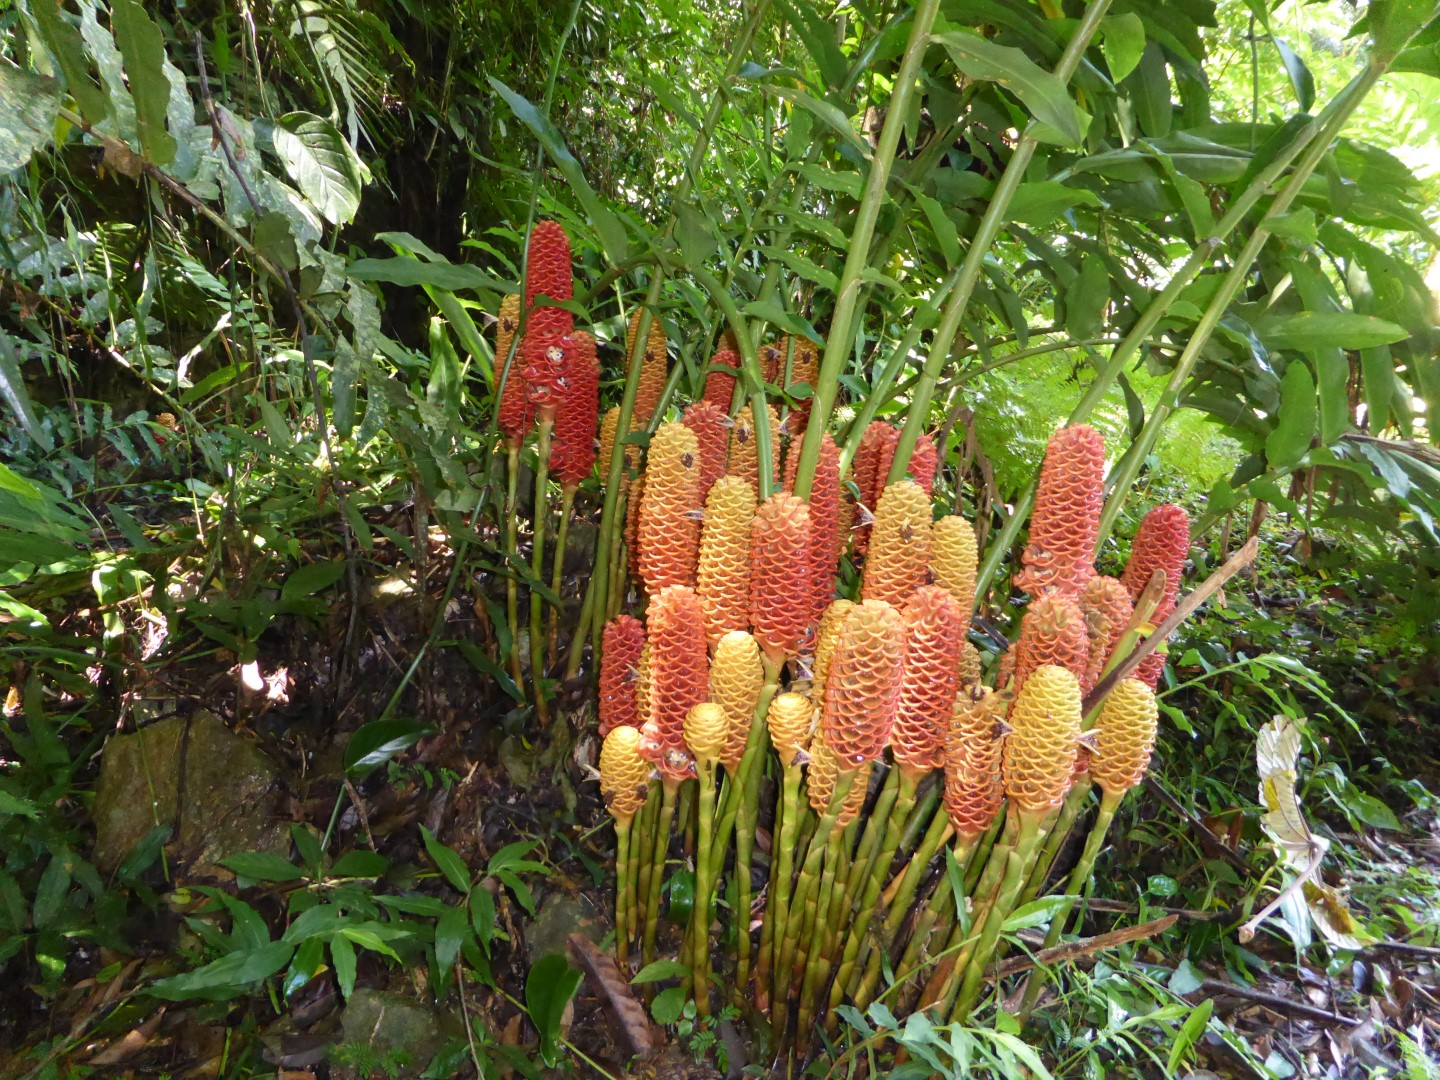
x=821 y=777
x=933 y=636
x=804 y=371
x=706 y=727
x=654 y=369
x=679 y=675
x=548 y=273
x=712 y=432
x=1052 y=631
x=974 y=788
x=624 y=774
x=1039 y=756
x=621 y=644
x=781 y=598
x=789 y=720
x=669 y=534
x=719 y=383
x=953 y=559
x=877 y=445
x=1124 y=736
x=1106 y=605
x=899 y=555
x=744 y=458
x=543 y=354
x=577 y=410
x=736 y=679
x=1161 y=543
x=827 y=635
x=825 y=538
x=920 y=468
x=1060 y=556
x=609 y=427
x=862 y=682
x=514 y=414
x=723 y=576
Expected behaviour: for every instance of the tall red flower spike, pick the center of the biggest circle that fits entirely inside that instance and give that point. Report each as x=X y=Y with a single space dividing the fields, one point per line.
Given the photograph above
x=780 y=594
x=934 y=632
x=825 y=524
x=513 y=413
x=1105 y=603
x=712 y=431
x=720 y=385
x=1060 y=557
x=923 y=460
x=1052 y=631
x=877 y=446
x=543 y=352
x=679 y=676
x=1161 y=543
x=548 y=273
x=862 y=684
x=577 y=412
x=622 y=641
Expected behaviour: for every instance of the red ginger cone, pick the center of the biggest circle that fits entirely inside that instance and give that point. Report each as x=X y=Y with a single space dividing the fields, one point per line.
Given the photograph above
x=804 y=370
x=862 y=685
x=780 y=593
x=679 y=677
x=712 y=431
x=577 y=412
x=622 y=642
x=1161 y=543
x=669 y=534
x=877 y=446
x=544 y=355
x=1060 y=556
x=513 y=413
x=720 y=385
x=934 y=632
x=1052 y=631
x=825 y=538
x=548 y=273
x=921 y=468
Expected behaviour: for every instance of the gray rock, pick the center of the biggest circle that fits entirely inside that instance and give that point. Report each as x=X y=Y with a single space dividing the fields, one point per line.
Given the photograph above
x=561 y=915
x=222 y=784
x=405 y=1032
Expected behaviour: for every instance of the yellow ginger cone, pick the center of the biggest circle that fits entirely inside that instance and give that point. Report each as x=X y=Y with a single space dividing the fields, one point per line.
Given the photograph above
x=974 y=788
x=736 y=679
x=969 y=666
x=862 y=683
x=707 y=726
x=790 y=720
x=744 y=460
x=609 y=425
x=953 y=556
x=624 y=774
x=899 y=552
x=654 y=370
x=669 y=533
x=722 y=579
x=1039 y=758
x=1124 y=737
x=832 y=621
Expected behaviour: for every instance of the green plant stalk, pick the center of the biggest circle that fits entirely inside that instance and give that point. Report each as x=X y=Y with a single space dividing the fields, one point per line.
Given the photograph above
x=684 y=819
x=623 y=901
x=802 y=902
x=1055 y=838
x=1018 y=859
x=847 y=292
x=744 y=854
x=703 y=911
x=562 y=536
x=1109 y=802
x=752 y=762
x=610 y=521
x=1200 y=256
x=766 y=951
x=512 y=587
x=544 y=426
x=875 y=873
x=817 y=961
x=878 y=824
x=918 y=414
x=777 y=907
x=642 y=848
x=668 y=787
x=582 y=632
x=939 y=912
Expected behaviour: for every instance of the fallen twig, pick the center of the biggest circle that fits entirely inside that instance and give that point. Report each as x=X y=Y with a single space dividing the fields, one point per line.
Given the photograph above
x=1216 y=988
x=1074 y=950
x=1209 y=840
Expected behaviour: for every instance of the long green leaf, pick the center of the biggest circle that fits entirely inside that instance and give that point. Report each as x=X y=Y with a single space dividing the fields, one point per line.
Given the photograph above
x=1038 y=90
x=143 y=47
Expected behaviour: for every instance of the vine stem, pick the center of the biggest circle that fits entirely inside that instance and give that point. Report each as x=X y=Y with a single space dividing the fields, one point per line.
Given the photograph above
x=537 y=563
x=562 y=536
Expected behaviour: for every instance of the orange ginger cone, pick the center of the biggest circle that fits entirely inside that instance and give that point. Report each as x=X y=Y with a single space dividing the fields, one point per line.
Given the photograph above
x=899 y=545
x=825 y=535
x=679 y=677
x=609 y=427
x=1105 y=603
x=933 y=635
x=712 y=431
x=723 y=576
x=1161 y=543
x=862 y=683
x=654 y=370
x=804 y=371
x=827 y=634
x=669 y=532
x=1060 y=556
x=720 y=383
x=921 y=467
x=744 y=458
x=780 y=592
x=1052 y=631
x=974 y=789
x=876 y=445
x=621 y=644
x=513 y=415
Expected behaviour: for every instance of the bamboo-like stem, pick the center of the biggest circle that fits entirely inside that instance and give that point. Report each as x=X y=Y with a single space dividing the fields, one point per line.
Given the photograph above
x=747 y=814
x=685 y=819
x=777 y=909
x=877 y=824
x=512 y=587
x=817 y=961
x=1055 y=838
x=763 y=957
x=557 y=572
x=702 y=913
x=847 y=292
x=751 y=762
x=939 y=913
x=1109 y=801
x=641 y=842
x=622 y=889
x=581 y=634
x=668 y=787
x=1017 y=859
x=543 y=427
x=917 y=417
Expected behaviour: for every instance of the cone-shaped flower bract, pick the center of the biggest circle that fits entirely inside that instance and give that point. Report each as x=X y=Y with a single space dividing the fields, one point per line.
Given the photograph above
x=634 y=499
x=706 y=726
x=933 y=635
x=968 y=667
x=1106 y=605
x=827 y=636
x=804 y=370
x=621 y=644
x=514 y=414
x=1039 y=756
x=974 y=788
x=780 y=593
x=953 y=559
x=862 y=683
x=1052 y=631
x=624 y=774
x=577 y=410
x=736 y=678
x=643 y=685
x=720 y=385
x=679 y=675
x=548 y=273
x=877 y=447
x=920 y=468
x=712 y=431
x=899 y=553
x=543 y=352
x=744 y=459
x=723 y=576
x=669 y=534
x=1124 y=736
x=824 y=770
x=789 y=720
x=654 y=370
x=825 y=539
x=1060 y=556
x=609 y=427
x=771 y=360
x=1161 y=543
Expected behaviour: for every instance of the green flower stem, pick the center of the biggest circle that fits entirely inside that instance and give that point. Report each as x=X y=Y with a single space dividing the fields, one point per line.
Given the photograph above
x=746 y=819
x=752 y=762
x=877 y=824
x=847 y=292
x=685 y=819
x=544 y=426
x=581 y=633
x=1056 y=836
x=668 y=787
x=512 y=587
x=704 y=908
x=642 y=848
x=817 y=962
x=1109 y=802
x=1016 y=859
x=557 y=573
x=622 y=889
x=939 y=914
x=782 y=868
x=917 y=417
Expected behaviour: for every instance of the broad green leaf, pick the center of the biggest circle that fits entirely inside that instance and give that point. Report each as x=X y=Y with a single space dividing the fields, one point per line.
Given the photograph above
x=342 y=955
x=1040 y=201
x=450 y=932
x=312 y=578
x=1086 y=298
x=549 y=986
x=143 y=47
x=450 y=864
x=827 y=114
x=322 y=164
x=251 y=866
x=226 y=977
x=818 y=34
x=360 y=863
x=1300 y=77
x=946 y=234
x=660 y=970
x=1294 y=428
x=1378 y=368
x=668 y=1006
x=1038 y=90
x=1188 y=1035
x=1122 y=40
x=308 y=961
x=50 y=893
x=1307 y=330
x=65 y=44
x=29 y=104
x=1149 y=89
x=377 y=742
